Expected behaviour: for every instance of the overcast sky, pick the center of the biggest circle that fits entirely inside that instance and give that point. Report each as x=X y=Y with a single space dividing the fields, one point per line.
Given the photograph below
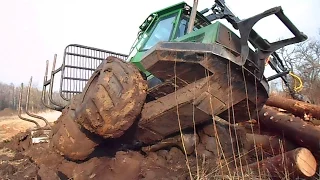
x=33 y=30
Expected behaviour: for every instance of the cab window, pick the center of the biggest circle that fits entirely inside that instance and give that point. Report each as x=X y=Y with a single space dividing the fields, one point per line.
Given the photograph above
x=161 y=32
x=183 y=25
x=182 y=28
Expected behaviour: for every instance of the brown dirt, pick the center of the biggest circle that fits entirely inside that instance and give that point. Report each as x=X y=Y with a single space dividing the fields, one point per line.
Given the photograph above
x=15 y=165
x=21 y=160
x=7 y=112
x=12 y=125
x=69 y=139
x=42 y=162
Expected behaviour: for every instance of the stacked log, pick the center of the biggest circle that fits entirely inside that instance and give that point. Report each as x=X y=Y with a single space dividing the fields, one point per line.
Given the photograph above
x=280 y=143
x=276 y=145
x=295 y=163
x=295 y=107
x=293 y=128
x=290 y=142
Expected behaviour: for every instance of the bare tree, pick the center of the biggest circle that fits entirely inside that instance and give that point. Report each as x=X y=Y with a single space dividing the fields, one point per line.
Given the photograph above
x=304 y=60
x=9 y=97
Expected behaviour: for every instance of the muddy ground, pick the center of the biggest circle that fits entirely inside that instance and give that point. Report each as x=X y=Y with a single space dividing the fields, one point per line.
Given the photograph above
x=19 y=159
x=203 y=156
x=40 y=162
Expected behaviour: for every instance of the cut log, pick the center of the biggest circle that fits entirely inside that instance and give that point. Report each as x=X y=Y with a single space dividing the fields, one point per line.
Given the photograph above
x=298 y=162
x=269 y=145
x=190 y=141
x=295 y=107
x=293 y=128
x=251 y=126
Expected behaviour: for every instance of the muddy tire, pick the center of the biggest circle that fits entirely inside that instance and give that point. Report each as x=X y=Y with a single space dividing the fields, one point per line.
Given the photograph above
x=107 y=107
x=112 y=99
x=69 y=140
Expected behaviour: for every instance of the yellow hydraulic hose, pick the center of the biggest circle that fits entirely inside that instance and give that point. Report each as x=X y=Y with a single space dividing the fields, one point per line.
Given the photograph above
x=298 y=85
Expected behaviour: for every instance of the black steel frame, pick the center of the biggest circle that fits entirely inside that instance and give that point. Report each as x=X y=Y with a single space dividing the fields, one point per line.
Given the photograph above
x=79 y=62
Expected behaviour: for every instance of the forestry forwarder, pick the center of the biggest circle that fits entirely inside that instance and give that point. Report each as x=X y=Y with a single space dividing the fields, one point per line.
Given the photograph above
x=184 y=68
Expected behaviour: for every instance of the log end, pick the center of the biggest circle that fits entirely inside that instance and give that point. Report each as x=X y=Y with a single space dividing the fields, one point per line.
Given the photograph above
x=306 y=162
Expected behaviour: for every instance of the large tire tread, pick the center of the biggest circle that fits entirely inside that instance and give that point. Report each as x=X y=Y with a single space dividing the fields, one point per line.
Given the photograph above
x=113 y=99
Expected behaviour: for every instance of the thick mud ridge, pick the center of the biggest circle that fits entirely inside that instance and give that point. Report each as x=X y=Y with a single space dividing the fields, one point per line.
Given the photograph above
x=164 y=160
x=41 y=162
x=214 y=151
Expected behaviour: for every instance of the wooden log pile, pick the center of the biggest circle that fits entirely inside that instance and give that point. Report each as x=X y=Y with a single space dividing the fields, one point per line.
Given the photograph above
x=281 y=142
x=288 y=142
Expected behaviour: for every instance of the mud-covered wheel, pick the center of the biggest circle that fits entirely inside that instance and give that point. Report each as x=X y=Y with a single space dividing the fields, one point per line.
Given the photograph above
x=112 y=99
x=70 y=140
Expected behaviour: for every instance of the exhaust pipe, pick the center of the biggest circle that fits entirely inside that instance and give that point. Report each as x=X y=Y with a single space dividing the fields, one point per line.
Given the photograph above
x=192 y=16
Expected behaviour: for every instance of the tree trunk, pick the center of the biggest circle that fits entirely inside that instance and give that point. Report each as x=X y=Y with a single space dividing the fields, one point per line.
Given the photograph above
x=293 y=128
x=295 y=107
x=296 y=163
x=267 y=145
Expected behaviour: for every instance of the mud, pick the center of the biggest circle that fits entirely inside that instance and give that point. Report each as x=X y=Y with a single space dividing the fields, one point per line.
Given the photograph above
x=13 y=163
x=40 y=161
x=16 y=166
x=69 y=140
x=22 y=160
x=214 y=153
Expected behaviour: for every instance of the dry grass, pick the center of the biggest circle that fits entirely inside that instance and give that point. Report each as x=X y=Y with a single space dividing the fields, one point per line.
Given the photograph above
x=241 y=171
